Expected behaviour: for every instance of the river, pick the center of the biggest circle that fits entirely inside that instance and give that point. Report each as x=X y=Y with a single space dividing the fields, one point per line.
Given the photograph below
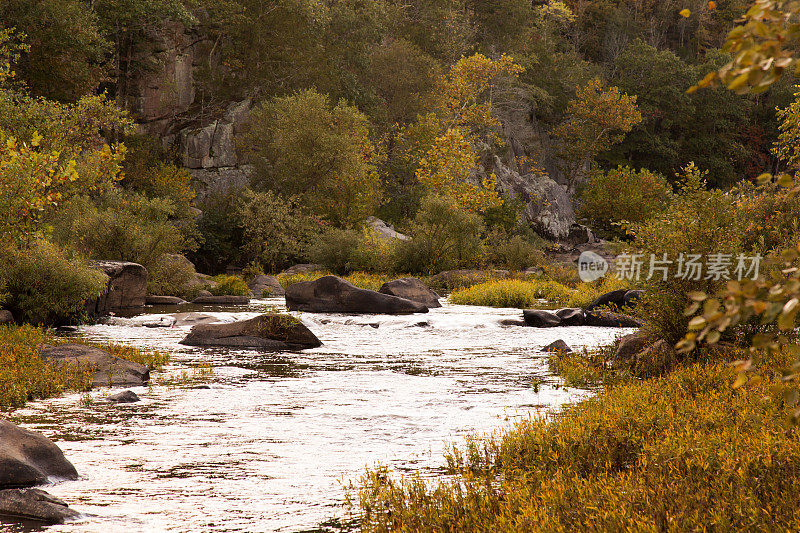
x=269 y=441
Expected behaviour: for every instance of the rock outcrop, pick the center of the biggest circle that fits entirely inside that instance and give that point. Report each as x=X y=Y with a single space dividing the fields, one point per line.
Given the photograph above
x=411 y=289
x=35 y=505
x=126 y=287
x=384 y=230
x=28 y=458
x=271 y=331
x=330 y=294
x=264 y=286
x=109 y=370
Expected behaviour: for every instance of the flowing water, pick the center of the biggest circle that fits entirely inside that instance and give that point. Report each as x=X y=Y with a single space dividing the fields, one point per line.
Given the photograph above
x=269 y=441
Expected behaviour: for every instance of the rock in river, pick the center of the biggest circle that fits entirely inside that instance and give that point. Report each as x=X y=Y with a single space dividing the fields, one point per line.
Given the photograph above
x=126 y=287
x=411 y=289
x=29 y=458
x=539 y=318
x=36 y=505
x=265 y=286
x=164 y=300
x=271 y=331
x=557 y=346
x=126 y=396
x=109 y=370
x=330 y=294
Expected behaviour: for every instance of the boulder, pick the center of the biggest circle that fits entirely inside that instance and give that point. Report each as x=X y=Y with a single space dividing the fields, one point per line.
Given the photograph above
x=611 y=299
x=655 y=359
x=28 y=458
x=222 y=300
x=164 y=300
x=35 y=505
x=630 y=345
x=579 y=234
x=548 y=208
x=126 y=396
x=330 y=294
x=303 y=268
x=411 y=289
x=193 y=319
x=271 y=331
x=266 y=286
x=631 y=297
x=385 y=231
x=109 y=370
x=215 y=182
x=608 y=319
x=539 y=318
x=6 y=317
x=557 y=346
x=571 y=316
x=126 y=287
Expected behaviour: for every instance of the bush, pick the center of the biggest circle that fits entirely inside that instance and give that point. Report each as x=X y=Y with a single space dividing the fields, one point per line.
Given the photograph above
x=229 y=286
x=46 y=285
x=147 y=172
x=276 y=230
x=342 y=251
x=221 y=232
x=443 y=237
x=623 y=196
x=683 y=453
x=172 y=275
x=512 y=253
x=514 y=293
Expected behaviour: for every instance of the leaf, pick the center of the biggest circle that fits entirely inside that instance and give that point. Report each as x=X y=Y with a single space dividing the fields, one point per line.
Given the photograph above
x=698 y=296
x=741 y=379
x=685 y=13
x=697 y=322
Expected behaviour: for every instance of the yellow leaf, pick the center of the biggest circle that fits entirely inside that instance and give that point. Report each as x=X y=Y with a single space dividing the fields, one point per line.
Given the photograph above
x=685 y=13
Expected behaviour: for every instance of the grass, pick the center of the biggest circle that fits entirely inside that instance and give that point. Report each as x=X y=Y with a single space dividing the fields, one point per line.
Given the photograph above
x=229 y=286
x=529 y=293
x=685 y=452
x=24 y=376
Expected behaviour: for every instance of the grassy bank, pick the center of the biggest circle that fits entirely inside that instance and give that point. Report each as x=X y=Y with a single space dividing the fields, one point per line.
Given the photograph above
x=683 y=452
x=25 y=376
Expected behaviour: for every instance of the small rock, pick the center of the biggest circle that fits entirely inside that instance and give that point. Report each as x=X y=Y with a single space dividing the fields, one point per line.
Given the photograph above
x=571 y=316
x=511 y=322
x=264 y=286
x=539 y=318
x=411 y=289
x=384 y=230
x=6 y=317
x=203 y=293
x=36 y=505
x=109 y=370
x=222 y=300
x=164 y=300
x=126 y=396
x=557 y=346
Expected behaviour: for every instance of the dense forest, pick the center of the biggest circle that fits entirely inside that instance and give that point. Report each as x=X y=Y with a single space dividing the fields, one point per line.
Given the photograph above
x=482 y=147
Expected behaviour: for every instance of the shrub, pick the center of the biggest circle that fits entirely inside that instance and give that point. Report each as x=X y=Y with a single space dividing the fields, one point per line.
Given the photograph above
x=443 y=237
x=147 y=172
x=229 y=285
x=684 y=452
x=221 y=231
x=47 y=285
x=514 y=293
x=622 y=195
x=172 y=276
x=343 y=251
x=512 y=253
x=276 y=230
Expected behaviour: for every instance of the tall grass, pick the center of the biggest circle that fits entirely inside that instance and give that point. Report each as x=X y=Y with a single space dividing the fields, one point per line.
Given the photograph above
x=682 y=453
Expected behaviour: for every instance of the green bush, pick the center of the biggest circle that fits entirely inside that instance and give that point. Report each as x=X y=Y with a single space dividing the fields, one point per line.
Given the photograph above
x=623 y=196
x=221 y=232
x=276 y=230
x=336 y=249
x=512 y=252
x=443 y=237
x=47 y=285
x=172 y=276
x=229 y=286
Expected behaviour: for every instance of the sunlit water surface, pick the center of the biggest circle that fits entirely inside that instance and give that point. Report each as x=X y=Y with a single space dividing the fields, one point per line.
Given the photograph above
x=273 y=442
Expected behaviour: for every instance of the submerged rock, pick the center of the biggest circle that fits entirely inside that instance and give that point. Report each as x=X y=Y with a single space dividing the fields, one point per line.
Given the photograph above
x=222 y=300
x=330 y=294
x=271 y=331
x=126 y=396
x=411 y=289
x=109 y=370
x=35 y=504
x=193 y=319
x=266 y=287
x=28 y=458
x=164 y=300
x=557 y=346
x=611 y=320
x=539 y=318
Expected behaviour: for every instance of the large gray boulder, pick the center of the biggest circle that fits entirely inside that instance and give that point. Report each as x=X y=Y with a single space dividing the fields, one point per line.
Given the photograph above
x=35 y=505
x=330 y=294
x=548 y=208
x=28 y=458
x=271 y=331
x=384 y=230
x=126 y=287
x=540 y=318
x=264 y=286
x=109 y=370
x=411 y=289
x=571 y=316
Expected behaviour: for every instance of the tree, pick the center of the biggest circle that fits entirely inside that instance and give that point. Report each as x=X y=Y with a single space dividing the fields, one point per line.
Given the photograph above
x=597 y=119
x=302 y=146
x=787 y=148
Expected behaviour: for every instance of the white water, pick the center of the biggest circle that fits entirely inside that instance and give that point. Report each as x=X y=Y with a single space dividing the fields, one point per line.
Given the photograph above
x=271 y=444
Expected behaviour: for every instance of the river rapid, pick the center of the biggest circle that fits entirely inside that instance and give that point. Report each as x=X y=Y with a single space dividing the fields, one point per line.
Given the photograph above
x=269 y=441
